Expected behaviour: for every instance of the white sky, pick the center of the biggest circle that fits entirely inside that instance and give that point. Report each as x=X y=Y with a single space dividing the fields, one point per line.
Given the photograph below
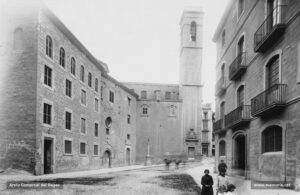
x=139 y=39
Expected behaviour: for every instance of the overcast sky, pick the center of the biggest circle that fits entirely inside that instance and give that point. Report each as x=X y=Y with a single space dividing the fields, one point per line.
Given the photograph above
x=139 y=39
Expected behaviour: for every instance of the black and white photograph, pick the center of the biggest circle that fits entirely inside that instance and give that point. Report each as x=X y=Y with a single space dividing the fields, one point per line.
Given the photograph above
x=150 y=97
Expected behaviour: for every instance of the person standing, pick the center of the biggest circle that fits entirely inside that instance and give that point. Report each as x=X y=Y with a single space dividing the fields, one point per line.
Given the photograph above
x=222 y=167
x=207 y=183
x=223 y=183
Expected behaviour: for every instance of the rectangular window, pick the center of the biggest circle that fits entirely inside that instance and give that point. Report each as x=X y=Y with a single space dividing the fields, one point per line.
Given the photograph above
x=143 y=94
x=205 y=125
x=168 y=95
x=128 y=119
x=96 y=130
x=68 y=147
x=205 y=115
x=83 y=97
x=128 y=136
x=96 y=149
x=47 y=111
x=111 y=96
x=68 y=88
x=68 y=120
x=83 y=125
x=96 y=105
x=82 y=148
x=48 y=76
x=145 y=110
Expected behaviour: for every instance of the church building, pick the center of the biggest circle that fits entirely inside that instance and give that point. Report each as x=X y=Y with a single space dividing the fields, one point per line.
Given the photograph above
x=60 y=110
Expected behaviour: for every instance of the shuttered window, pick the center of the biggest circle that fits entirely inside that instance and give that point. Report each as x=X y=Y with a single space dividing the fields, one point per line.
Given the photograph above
x=273 y=72
x=272 y=139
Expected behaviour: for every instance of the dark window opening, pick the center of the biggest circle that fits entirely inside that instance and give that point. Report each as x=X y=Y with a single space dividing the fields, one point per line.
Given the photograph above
x=47 y=113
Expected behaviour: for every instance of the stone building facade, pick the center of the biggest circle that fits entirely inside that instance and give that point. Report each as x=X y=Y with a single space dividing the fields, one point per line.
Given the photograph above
x=257 y=105
x=61 y=111
x=54 y=110
x=158 y=119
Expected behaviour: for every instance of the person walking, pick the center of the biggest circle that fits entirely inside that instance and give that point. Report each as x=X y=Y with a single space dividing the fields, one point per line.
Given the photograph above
x=207 y=183
x=222 y=167
x=223 y=183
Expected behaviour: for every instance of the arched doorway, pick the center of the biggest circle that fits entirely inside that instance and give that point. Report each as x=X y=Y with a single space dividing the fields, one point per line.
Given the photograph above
x=107 y=159
x=239 y=154
x=128 y=156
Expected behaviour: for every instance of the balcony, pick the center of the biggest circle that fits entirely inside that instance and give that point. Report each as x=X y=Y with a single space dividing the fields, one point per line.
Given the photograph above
x=218 y=126
x=271 y=29
x=272 y=100
x=221 y=86
x=238 y=117
x=238 y=67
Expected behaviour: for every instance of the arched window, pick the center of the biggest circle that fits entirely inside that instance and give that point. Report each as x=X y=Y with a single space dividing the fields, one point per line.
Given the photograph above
x=18 y=39
x=222 y=113
x=272 y=139
x=240 y=95
x=49 y=46
x=240 y=51
x=241 y=46
x=62 y=57
x=223 y=73
x=193 y=31
x=223 y=37
x=96 y=85
x=82 y=73
x=90 y=79
x=108 y=122
x=222 y=148
x=73 y=66
x=272 y=72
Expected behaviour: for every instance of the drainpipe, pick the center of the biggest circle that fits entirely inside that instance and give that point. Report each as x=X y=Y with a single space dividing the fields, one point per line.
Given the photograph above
x=285 y=150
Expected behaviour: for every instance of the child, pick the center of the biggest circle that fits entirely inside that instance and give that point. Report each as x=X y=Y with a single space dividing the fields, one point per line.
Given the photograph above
x=222 y=184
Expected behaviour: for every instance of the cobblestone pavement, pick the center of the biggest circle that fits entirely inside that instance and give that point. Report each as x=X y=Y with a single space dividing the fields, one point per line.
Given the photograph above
x=243 y=186
x=131 y=180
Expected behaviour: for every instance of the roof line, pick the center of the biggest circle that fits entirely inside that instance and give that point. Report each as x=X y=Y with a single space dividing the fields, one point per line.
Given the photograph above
x=73 y=38
x=120 y=84
x=223 y=20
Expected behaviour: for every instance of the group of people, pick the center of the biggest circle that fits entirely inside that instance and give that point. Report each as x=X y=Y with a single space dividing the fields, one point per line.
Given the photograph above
x=223 y=185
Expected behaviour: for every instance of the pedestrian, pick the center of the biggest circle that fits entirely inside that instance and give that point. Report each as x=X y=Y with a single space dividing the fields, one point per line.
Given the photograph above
x=222 y=167
x=223 y=182
x=207 y=183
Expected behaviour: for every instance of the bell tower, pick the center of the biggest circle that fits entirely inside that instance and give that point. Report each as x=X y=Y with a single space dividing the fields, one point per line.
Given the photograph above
x=190 y=83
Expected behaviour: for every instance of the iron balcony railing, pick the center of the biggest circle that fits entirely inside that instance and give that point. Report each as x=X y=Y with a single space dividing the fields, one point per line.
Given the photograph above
x=238 y=116
x=218 y=125
x=238 y=66
x=221 y=86
x=274 y=97
x=273 y=25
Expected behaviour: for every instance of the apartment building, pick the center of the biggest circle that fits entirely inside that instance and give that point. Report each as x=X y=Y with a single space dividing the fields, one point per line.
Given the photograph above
x=257 y=89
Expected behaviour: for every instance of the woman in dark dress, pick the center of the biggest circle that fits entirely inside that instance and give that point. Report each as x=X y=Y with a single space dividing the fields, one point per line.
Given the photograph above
x=207 y=184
